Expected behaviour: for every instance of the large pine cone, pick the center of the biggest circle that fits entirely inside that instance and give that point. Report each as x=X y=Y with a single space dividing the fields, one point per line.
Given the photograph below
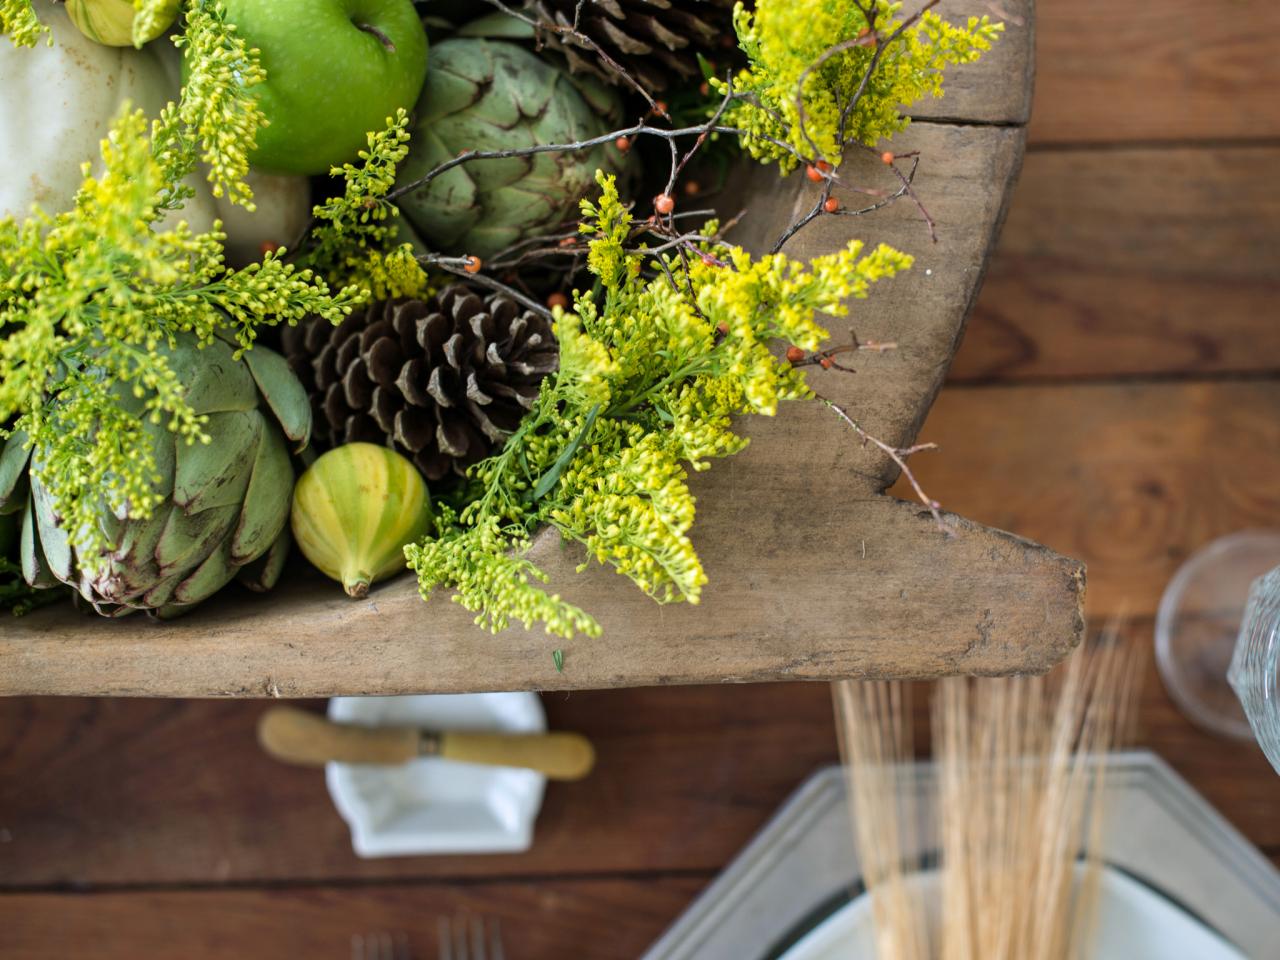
x=656 y=41
x=443 y=381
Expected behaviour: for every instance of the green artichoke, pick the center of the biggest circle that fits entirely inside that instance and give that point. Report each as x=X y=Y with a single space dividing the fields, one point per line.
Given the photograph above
x=492 y=95
x=224 y=507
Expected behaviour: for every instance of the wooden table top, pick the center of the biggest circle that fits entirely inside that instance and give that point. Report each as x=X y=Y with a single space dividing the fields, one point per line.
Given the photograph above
x=1117 y=397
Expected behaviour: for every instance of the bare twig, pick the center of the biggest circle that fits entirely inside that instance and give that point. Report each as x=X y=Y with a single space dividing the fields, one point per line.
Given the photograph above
x=456 y=266
x=899 y=455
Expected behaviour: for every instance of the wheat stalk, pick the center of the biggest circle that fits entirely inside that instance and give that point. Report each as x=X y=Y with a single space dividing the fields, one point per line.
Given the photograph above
x=1017 y=800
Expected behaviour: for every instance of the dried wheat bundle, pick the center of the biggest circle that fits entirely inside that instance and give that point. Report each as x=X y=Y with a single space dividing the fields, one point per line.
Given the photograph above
x=1018 y=802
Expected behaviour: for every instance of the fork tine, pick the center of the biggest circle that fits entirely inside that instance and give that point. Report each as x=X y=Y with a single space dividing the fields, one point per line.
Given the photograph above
x=495 y=930
x=477 y=939
x=444 y=939
x=357 y=947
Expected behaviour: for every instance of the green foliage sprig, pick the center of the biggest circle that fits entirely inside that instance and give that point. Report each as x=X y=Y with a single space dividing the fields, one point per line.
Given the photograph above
x=653 y=367
x=354 y=239
x=19 y=22
x=808 y=59
x=88 y=297
x=217 y=113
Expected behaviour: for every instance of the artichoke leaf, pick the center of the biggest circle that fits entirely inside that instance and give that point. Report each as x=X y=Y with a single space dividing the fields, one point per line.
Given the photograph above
x=284 y=394
x=216 y=474
x=207 y=579
x=188 y=539
x=450 y=92
x=54 y=542
x=262 y=574
x=216 y=381
x=13 y=470
x=266 y=502
x=137 y=544
x=35 y=568
x=161 y=593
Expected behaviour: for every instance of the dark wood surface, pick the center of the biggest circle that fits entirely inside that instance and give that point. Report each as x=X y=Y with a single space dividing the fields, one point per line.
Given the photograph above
x=1117 y=396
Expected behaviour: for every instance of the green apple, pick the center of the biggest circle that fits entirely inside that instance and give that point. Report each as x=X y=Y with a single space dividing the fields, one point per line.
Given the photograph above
x=336 y=69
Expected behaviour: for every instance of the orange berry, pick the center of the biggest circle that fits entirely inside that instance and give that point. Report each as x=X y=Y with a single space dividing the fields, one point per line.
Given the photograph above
x=794 y=354
x=825 y=363
x=831 y=205
x=815 y=171
x=472 y=264
x=557 y=299
x=692 y=188
x=623 y=144
x=723 y=328
x=887 y=157
x=269 y=246
x=704 y=88
x=664 y=203
x=661 y=106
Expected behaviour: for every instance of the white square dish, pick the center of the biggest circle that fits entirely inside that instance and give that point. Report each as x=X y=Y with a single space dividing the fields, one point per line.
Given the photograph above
x=430 y=805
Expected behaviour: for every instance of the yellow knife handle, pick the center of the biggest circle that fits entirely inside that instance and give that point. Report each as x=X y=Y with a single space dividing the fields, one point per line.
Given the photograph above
x=305 y=738
x=558 y=756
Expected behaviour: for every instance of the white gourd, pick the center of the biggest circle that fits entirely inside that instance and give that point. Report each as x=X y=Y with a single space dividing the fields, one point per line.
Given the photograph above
x=57 y=104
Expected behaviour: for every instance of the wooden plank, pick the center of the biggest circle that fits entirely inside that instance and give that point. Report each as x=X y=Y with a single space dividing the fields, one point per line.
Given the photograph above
x=996 y=89
x=813 y=573
x=1133 y=262
x=104 y=793
x=1156 y=70
x=1131 y=477
x=603 y=919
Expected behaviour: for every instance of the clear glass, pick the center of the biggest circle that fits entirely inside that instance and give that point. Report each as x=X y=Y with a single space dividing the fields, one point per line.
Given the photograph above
x=1255 y=667
x=1199 y=621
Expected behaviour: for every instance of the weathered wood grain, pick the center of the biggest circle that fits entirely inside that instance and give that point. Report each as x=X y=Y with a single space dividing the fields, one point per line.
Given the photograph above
x=1131 y=477
x=1133 y=262
x=1155 y=70
x=813 y=574
x=606 y=919
x=996 y=89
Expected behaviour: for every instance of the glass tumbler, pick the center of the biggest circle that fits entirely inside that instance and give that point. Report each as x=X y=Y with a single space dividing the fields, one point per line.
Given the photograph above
x=1207 y=617
x=1255 y=666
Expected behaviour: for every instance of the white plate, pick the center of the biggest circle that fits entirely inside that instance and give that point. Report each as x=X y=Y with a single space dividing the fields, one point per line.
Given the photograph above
x=431 y=805
x=1134 y=923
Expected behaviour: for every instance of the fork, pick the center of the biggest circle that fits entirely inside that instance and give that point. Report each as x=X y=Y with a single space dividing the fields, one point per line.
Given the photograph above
x=463 y=938
x=380 y=946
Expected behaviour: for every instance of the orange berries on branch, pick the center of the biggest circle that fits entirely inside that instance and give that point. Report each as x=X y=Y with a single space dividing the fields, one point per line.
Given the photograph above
x=817 y=171
x=664 y=203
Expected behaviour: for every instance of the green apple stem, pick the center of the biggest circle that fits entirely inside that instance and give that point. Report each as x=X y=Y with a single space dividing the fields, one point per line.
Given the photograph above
x=382 y=37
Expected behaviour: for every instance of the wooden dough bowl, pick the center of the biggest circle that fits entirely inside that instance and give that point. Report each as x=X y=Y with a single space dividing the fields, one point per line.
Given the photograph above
x=814 y=572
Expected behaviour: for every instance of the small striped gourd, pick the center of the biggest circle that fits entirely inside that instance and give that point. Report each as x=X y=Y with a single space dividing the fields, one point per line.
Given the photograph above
x=355 y=509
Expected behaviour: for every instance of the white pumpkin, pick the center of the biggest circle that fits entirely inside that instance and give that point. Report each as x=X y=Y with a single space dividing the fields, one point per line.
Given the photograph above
x=58 y=102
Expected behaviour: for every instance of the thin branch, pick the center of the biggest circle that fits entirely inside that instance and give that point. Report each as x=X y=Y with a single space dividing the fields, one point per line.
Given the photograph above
x=899 y=455
x=449 y=265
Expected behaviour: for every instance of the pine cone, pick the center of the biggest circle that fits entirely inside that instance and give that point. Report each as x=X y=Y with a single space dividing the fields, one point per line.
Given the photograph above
x=656 y=41
x=443 y=381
